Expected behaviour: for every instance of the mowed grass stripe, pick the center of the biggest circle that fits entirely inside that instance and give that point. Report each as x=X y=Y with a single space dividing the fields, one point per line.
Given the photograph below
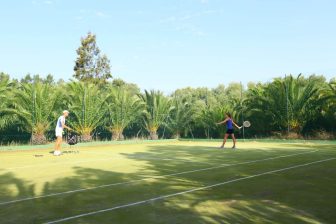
x=100 y=156
x=198 y=154
x=37 y=211
x=188 y=191
x=152 y=177
x=201 y=153
x=82 y=160
x=40 y=210
x=298 y=196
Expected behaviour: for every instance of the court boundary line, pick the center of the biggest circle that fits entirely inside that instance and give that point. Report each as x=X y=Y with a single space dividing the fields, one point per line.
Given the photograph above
x=148 y=178
x=186 y=192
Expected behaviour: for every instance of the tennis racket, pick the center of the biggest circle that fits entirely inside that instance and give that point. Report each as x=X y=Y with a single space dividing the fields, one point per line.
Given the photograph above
x=246 y=124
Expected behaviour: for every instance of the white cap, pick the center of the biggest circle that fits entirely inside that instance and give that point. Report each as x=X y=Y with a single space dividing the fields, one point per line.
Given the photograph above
x=65 y=111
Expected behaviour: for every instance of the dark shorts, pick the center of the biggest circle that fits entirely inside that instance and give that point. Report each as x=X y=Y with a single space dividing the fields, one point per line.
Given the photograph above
x=229 y=131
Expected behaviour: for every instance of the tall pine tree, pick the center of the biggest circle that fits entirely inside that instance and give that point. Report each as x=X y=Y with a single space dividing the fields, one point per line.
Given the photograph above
x=90 y=65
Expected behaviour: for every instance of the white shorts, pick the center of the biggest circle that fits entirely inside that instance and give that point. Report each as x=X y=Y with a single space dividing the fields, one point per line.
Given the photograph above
x=59 y=132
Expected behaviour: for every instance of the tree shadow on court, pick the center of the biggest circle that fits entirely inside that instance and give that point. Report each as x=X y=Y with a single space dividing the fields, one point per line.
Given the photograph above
x=54 y=206
x=11 y=188
x=278 y=198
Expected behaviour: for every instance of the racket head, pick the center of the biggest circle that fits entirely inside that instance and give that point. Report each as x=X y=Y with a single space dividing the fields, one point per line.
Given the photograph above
x=246 y=124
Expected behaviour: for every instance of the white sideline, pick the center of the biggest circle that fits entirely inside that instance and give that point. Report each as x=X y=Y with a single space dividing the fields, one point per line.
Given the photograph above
x=185 y=192
x=149 y=178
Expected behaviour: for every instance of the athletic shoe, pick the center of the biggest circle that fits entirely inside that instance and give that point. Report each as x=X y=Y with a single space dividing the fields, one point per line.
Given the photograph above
x=57 y=153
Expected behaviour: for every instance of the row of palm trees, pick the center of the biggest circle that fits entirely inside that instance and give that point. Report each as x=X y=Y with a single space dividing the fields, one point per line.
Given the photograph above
x=34 y=107
x=292 y=104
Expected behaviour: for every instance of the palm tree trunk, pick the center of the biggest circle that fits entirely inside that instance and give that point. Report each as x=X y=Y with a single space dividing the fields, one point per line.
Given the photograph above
x=153 y=135
x=86 y=137
x=117 y=136
x=38 y=139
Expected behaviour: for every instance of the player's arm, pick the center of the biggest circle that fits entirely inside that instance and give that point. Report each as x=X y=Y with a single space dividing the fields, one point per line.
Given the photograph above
x=236 y=125
x=222 y=122
x=64 y=126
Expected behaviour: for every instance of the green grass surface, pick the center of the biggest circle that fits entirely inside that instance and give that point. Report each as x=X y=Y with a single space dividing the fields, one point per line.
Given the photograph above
x=260 y=182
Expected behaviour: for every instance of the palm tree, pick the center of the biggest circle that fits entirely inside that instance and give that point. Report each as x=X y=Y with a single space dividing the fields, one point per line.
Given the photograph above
x=5 y=90
x=156 y=113
x=304 y=102
x=267 y=106
x=291 y=101
x=181 y=116
x=87 y=107
x=330 y=94
x=33 y=106
x=328 y=111
x=123 y=109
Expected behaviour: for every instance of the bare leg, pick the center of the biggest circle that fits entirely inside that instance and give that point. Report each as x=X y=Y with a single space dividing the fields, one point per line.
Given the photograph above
x=234 y=141
x=58 y=145
x=224 y=140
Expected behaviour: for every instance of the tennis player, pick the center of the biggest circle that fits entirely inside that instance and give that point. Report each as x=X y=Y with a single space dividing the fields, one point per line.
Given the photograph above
x=229 y=129
x=59 y=132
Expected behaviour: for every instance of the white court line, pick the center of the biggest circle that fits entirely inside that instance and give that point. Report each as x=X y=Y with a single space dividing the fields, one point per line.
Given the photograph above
x=186 y=192
x=149 y=178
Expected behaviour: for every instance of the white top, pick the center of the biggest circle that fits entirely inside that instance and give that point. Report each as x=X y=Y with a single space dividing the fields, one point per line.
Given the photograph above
x=60 y=120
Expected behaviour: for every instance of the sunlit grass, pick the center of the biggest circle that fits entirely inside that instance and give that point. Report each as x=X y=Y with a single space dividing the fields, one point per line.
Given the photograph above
x=101 y=176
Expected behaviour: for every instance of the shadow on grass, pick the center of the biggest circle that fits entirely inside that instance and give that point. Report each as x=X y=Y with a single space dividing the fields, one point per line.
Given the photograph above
x=279 y=198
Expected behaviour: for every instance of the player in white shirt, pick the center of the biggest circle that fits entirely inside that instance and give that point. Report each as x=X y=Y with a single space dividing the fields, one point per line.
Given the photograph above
x=59 y=132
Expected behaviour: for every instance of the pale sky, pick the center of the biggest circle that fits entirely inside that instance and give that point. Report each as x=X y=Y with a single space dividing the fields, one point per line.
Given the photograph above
x=170 y=44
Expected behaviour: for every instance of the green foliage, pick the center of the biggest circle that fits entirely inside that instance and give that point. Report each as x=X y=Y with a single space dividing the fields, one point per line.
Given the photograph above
x=90 y=65
x=304 y=102
x=182 y=115
x=5 y=89
x=292 y=102
x=33 y=106
x=306 y=105
x=210 y=116
x=87 y=107
x=123 y=109
x=157 y=111
x=37 y=78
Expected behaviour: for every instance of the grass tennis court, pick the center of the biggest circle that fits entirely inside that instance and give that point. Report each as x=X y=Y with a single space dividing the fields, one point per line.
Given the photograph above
x=170 y=182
